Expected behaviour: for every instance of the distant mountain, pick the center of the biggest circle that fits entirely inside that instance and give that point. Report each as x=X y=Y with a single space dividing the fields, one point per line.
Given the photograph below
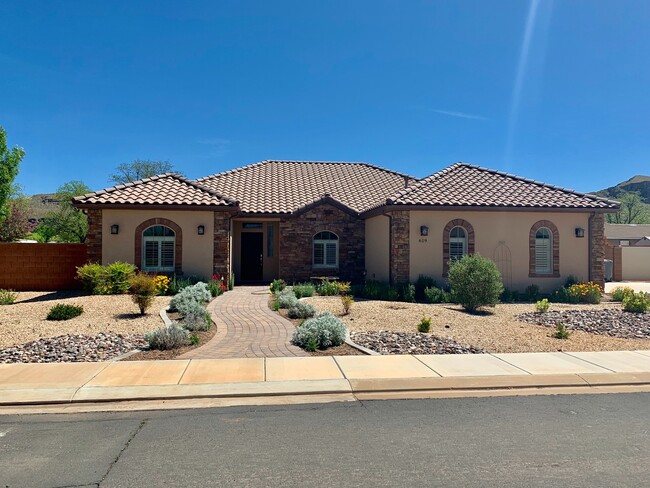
x=638 y=183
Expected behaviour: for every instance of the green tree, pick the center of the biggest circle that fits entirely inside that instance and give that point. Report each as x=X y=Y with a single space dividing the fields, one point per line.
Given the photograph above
x=9 y=161
x=68 y=224
x=475 y=282
x=140 y=169
x=633 y=210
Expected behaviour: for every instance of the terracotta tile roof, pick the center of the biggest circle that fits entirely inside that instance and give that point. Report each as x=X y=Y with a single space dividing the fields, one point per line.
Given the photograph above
x=472 y=186
x=165 y=189
x=287 y=186
x=627 y=231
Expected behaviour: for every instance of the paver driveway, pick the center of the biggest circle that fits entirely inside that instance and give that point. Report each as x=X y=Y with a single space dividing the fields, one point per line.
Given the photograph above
x=247 y=328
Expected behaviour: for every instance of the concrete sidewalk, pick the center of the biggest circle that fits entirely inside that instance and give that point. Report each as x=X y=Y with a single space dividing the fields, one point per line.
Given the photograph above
x=349 y=377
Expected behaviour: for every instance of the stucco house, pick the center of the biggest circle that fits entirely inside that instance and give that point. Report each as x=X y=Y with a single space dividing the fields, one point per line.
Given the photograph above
x=297 y=220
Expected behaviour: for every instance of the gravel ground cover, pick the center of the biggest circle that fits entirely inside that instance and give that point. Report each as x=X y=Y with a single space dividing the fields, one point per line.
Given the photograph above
x=24 y=321
x=610 y=321
x=72 y=348
x=411 y=343
x=497 y=330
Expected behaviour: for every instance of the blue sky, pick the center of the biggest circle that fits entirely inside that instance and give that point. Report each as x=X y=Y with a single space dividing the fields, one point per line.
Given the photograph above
x=557 y=91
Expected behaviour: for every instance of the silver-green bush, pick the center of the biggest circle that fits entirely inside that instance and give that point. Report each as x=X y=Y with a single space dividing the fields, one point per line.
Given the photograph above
x=323 y=331
x=287 y=298
x=167 y=337
x=186 y=300
x=199 y=321
x=301 y=310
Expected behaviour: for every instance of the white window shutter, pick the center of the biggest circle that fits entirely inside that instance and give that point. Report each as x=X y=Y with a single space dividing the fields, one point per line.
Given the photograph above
x=330 y=254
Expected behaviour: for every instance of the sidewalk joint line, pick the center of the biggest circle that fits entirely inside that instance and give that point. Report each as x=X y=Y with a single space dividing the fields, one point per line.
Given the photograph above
x=184 y=371
x=425 y=364
x=509 y=363
x=568 y=353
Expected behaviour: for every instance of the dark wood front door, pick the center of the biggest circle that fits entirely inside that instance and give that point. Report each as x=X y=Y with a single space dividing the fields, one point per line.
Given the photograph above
x=252 y=256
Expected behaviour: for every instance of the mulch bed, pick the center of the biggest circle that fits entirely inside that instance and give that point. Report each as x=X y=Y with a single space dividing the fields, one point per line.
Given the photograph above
x=608 y=321
x=153 y=355
x=411 y=343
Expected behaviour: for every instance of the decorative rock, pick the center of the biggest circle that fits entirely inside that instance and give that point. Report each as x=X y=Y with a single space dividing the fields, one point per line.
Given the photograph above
x=72 y=348
x=608 y=321
x=411 y=343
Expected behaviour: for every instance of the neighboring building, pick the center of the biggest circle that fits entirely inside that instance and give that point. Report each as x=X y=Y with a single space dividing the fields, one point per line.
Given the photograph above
x=298 y=220
x=628 y=234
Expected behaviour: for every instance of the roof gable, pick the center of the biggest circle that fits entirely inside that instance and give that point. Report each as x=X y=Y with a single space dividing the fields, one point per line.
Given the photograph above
x=165 y=189
x=467 y=185
x=287 y=186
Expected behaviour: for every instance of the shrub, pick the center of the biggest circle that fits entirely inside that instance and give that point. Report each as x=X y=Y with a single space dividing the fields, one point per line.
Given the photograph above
x=436 y=295
x=532 y=293
x=343 y=287
x=392 y=294
x=328 y=288
x=178 y=283
x=346 y=301
x=636 y=302
x=197 y=320
x=542 y=306
x=510 y=296
x=475 y=282
x=322 y=331
x=162 y=284
x=421 y=284
x=287 y=298
x=195 y=339
x=407 y=292
x=276 y=303
x=110 y=279
x=7 y=297
x=301 y=310
x=561 y=331
x=62 y=311
x=302 y=290
x=166 y=338
x=425 y=324
x=277 y=285
x=589 y=292
x=231 y=283
x=373 y=289
x=571 y=280
x=197 y=293
x=216 y=286
x=620 y=292
x=187 y=306
x=142 y=288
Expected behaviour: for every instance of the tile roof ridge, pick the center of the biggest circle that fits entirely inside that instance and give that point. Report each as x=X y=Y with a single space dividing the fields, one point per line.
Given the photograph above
x=121 y=186
x=203 y=188
x=295 y=161
x=421 y=182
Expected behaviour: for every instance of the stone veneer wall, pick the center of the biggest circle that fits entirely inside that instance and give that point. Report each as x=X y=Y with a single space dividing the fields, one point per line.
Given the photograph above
x=597 y=251
x=297 y=232
x=400 y=262
x=94 y=237
x=221 y=250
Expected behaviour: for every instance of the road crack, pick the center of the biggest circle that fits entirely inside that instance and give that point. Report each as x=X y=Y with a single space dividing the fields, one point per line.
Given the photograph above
x=119 y=454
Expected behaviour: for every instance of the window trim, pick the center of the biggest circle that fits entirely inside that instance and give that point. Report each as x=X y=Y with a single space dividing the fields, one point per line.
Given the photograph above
x=159 y=240
x=178 y=247
x=325 y=243
x=446 y=241
x=554 y=271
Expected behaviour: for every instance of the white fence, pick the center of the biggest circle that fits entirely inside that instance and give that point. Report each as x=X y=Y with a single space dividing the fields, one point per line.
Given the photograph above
x=636 y=263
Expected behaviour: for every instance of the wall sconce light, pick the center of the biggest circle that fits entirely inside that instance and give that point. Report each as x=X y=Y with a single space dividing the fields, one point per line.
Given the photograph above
x=115 y=229
x=424 y=230
x=580 y=232
x=200 y=230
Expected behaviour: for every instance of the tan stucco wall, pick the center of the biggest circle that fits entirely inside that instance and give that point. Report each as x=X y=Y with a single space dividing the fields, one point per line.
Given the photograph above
x=271 y=265
x=378 y=248
x=197 y=250
x=510 y=228
x=636 y=263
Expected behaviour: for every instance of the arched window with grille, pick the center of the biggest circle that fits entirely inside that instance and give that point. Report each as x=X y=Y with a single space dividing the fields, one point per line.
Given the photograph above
x=158 y=249
x=325 y=250
x=544 y=242
x=543 y=251
x=457 y=243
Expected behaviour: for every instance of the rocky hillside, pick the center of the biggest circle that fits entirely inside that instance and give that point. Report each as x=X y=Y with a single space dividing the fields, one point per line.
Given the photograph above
x=637 y=183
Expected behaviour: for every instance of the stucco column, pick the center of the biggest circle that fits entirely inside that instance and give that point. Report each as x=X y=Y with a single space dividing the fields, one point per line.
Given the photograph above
x=221 y=243
x=597 y=248
x=399 y=247
x=94 y=237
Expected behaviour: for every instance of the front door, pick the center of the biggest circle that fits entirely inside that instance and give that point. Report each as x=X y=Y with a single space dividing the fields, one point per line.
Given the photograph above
x=252 y=256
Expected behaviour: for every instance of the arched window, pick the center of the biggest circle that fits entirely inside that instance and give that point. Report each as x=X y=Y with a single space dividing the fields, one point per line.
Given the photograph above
x=543 y=251
x=158 y=248
x=544 y=247
x=457 y=243
x=326 y=250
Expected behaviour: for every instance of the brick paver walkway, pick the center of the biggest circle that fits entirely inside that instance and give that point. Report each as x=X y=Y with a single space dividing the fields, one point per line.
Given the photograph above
x=246 y=328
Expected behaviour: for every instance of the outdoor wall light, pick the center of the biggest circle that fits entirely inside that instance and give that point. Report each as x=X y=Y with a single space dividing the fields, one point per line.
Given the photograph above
x=580 y=232
x=200 y=230
x=424 y=230
x=115 y=229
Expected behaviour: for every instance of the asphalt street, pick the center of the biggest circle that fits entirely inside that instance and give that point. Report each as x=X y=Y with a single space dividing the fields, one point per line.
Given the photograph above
x=551 y=441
